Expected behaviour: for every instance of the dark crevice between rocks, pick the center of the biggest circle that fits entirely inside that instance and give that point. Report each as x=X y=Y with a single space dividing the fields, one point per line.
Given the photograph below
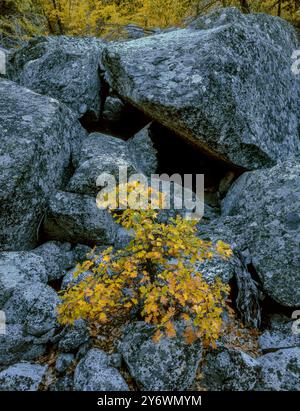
x=175 y=154
x=178 y=156
x=253 y=307
x=270 y=308
x=56 y=284
x=130 y=122
x=104 y=89
x=41 y=237
x=246 y=293
x=90 y=117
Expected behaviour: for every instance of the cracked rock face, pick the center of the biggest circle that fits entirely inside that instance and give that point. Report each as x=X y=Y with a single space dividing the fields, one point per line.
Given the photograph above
x=279 y=335
x=38 y=137
x=99 y=154
x=33 y=305
x=17 y=269
x=210 y=84
x=16 y=345
x=229 y=370
x=65 y=68
x=170 y=364
x=143 y=152
x=280 y=370
x=75 y=218
x=57 y=257
x=73 y=336
x=103 y=154
x=22 y=377
x=267 y=203
x=94 y=373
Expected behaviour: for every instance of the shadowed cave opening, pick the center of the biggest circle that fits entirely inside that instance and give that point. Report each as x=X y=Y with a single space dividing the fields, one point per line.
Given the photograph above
x=175 y=155
x=129 y=122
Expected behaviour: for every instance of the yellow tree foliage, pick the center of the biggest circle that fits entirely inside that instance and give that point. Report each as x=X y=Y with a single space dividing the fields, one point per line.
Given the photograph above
x=155 y=276
x=157 y=13
x=103 y=17
x=97 y=17
x=20 y=20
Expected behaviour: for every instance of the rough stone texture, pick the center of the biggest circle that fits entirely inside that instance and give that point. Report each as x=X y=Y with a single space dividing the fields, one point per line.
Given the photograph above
x=98 y=143
x=64 y=68
x=17 y=268
x=69 y=279
x=65 y=383
x=170 y=364
x=267 y=203
x=80 y=252
x=217 y=268
x=83 y=350
x=75 y=218
x=123 y=238
x=73 y=336
x=114 y=110
x=63 y=362
x=22 y=377
x=143 y=152
x=214 y=231
x=211 y=85
x=280 y=371
x=34 y=306
x=100 y=154
x=38 y=135
x=16 y=345
x=132 y=31
x=115 y=360
x=57 y=257
x=279 y=335
x=229 y=370
x=4 y=58
x=93 y=373
x=247 y=288
x=179 y=200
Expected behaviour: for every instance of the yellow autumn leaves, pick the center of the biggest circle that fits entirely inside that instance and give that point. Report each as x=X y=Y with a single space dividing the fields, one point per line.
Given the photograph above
x=21 y=19
x=99 y=17
x=155 y=276
x=133 y=195
x=108 y=17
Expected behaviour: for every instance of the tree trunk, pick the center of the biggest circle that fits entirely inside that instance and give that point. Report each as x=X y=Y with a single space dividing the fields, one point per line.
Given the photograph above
x=245 y=6
x=279 y=8
x=59 y=24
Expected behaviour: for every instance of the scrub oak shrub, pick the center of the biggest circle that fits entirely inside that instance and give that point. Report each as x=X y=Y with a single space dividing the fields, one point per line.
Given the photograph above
x=155 y=276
